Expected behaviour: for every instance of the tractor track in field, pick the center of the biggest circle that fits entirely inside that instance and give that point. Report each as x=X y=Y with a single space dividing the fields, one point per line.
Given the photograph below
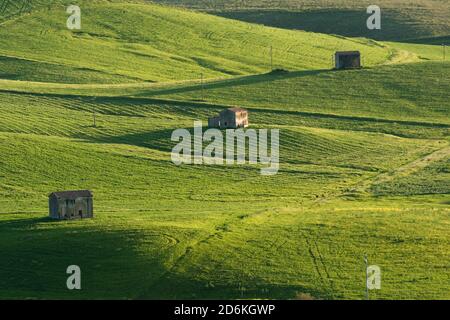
x=406 y=169
x=363 y=187
x=314 y=259
x=319 y=263
x=311 y=244
x=322 y=262
x=218 y=230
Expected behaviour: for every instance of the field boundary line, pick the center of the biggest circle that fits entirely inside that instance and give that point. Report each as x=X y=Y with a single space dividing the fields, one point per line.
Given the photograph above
x=414 y=166
x=406 y=169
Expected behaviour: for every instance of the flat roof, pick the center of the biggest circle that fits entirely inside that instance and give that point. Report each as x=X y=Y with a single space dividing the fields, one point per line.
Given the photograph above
x=348 y=52
x=237 y=109
x=72 y=194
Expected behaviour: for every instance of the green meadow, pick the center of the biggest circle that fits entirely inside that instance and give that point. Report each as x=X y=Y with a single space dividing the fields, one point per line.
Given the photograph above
x=402 y=19
x=364 y=157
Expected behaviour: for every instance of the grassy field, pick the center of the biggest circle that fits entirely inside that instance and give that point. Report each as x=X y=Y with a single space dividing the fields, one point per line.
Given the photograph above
x=159 y=44
x=364 y=160
x=401 y=19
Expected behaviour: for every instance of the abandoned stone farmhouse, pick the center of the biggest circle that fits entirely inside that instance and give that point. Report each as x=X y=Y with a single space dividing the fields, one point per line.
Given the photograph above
x=347 y=60
x=231 y=118
x=69 y=205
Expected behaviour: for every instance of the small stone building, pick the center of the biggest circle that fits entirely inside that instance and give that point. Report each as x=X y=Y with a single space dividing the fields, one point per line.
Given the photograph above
x=347 y=60
x=68 y=205
x=231 y=118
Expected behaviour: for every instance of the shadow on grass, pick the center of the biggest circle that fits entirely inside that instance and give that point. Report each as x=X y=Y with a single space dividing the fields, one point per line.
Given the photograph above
x=178 y=287
x=239 y=81
x=158 y=139
x=350 y=118
x=445 y=40
x=343 y=22
x=36 y=253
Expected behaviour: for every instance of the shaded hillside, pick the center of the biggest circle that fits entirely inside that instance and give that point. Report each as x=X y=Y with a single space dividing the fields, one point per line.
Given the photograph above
x=155 y=43
x=402 y=19
x=96 y=108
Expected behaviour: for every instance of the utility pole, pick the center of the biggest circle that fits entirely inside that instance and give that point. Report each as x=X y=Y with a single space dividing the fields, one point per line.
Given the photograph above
x=93 y=112
x=271 y=58
x=366 y=262
x=203 y=87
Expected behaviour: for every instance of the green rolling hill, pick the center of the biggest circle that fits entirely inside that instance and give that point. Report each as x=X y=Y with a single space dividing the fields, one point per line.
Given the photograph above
x=402 y=19
x=364 y=159
x=160 y=44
